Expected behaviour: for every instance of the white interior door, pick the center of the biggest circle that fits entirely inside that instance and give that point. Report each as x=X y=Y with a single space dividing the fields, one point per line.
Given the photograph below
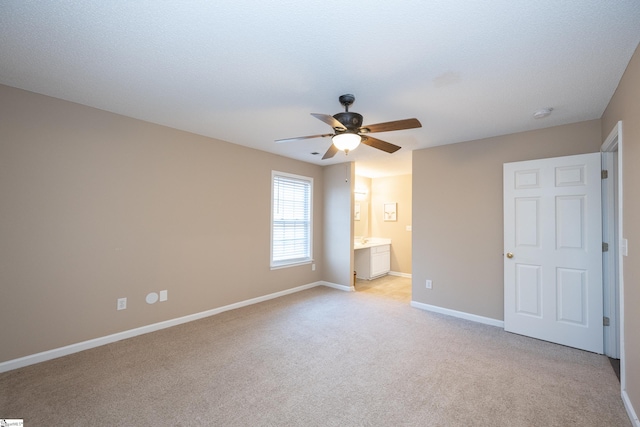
x=553 y=250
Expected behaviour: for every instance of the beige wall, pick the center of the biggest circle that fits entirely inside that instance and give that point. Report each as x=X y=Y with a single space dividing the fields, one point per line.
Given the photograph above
x=338 y=227
x=457 y=213
x=625 y=106
x=393 y=189
x=96 y=206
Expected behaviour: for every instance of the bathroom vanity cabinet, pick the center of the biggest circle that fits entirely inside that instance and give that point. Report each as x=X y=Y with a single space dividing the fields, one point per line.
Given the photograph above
x=372 y=261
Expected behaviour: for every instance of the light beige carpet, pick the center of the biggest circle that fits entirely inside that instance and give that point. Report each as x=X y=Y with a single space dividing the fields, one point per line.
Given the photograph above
x=321 y=357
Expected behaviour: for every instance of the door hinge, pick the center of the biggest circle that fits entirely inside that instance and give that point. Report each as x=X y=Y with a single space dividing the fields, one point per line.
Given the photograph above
x=605 y=174
x=605 y=321
x=605 y=247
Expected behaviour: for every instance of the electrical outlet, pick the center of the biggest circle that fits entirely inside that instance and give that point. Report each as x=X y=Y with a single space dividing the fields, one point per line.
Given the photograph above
x=313 y=267
x=429 y=284
x=122 y=303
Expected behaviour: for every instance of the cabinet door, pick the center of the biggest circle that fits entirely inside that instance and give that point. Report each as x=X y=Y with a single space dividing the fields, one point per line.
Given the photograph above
x=380 y=263
x=363 y=263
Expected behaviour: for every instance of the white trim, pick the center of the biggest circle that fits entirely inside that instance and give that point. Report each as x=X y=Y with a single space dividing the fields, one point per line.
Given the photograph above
x=611 y=142
x=97 y=342
x=614 y=139
x=293 y=264
x=610 y=257
x=460 y=314
x=397 y=273
x=618 y=135
x=630 y=411
x=336 y=286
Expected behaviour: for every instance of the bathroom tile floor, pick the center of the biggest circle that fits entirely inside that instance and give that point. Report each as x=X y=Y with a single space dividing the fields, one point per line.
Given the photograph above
x=391 y=287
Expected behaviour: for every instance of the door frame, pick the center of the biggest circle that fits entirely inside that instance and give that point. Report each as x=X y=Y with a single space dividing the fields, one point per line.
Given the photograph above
x=610 y=258
x=613 y=145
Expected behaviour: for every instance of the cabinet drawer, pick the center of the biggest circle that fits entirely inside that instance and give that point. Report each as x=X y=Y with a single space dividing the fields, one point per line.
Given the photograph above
x=380 y=249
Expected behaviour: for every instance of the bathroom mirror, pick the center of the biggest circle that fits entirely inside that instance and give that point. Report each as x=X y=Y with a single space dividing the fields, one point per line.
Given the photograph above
x=362 y=207
x=361 y=227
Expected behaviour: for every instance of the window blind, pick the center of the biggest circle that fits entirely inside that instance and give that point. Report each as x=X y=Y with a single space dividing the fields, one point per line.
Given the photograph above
x=291 y=220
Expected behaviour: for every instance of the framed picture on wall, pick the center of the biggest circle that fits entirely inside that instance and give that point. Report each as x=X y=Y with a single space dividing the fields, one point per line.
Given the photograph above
x=390 y=211
x=356 y=212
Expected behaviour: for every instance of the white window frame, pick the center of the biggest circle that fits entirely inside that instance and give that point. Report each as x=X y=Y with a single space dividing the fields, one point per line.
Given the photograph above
x=308 y=257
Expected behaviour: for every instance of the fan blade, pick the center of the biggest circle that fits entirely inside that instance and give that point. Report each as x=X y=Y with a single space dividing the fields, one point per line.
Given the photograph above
x=331 y=152
x=379 y=144
x=389 y=126
x=303 y=137
x=330 y=120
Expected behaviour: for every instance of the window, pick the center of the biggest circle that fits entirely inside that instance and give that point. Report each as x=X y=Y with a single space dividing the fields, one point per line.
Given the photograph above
x=290 y=219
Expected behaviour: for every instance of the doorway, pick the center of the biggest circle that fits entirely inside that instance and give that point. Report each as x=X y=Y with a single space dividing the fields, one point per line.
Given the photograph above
x=373 y=196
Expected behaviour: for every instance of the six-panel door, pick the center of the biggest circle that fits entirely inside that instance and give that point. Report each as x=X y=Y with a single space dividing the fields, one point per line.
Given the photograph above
x=553 y=235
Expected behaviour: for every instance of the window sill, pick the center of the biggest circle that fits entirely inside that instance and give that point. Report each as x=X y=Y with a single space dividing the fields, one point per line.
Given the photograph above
x=291 y=264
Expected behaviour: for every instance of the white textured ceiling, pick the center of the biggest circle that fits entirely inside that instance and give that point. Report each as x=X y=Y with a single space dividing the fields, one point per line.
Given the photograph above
x=251 y=71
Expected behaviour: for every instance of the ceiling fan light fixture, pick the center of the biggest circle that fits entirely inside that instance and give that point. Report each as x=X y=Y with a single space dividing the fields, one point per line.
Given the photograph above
x=346 y=141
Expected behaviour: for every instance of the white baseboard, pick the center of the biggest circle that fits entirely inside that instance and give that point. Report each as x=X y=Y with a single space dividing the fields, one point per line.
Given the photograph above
x=630 y=411
x=397 y=273
x=85 y=345
x=460 y=314
x=336 y=286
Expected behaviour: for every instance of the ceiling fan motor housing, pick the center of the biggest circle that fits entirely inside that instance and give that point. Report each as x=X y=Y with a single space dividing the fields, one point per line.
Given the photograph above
x=351 y=121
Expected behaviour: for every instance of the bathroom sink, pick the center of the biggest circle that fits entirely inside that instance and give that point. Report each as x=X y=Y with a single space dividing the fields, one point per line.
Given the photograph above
x=370 y=242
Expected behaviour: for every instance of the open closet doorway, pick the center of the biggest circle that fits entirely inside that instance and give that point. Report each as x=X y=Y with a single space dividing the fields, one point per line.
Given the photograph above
x=382 y=221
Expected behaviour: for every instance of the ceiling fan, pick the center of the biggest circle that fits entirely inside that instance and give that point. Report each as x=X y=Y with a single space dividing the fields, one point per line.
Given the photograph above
x=348 y=131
